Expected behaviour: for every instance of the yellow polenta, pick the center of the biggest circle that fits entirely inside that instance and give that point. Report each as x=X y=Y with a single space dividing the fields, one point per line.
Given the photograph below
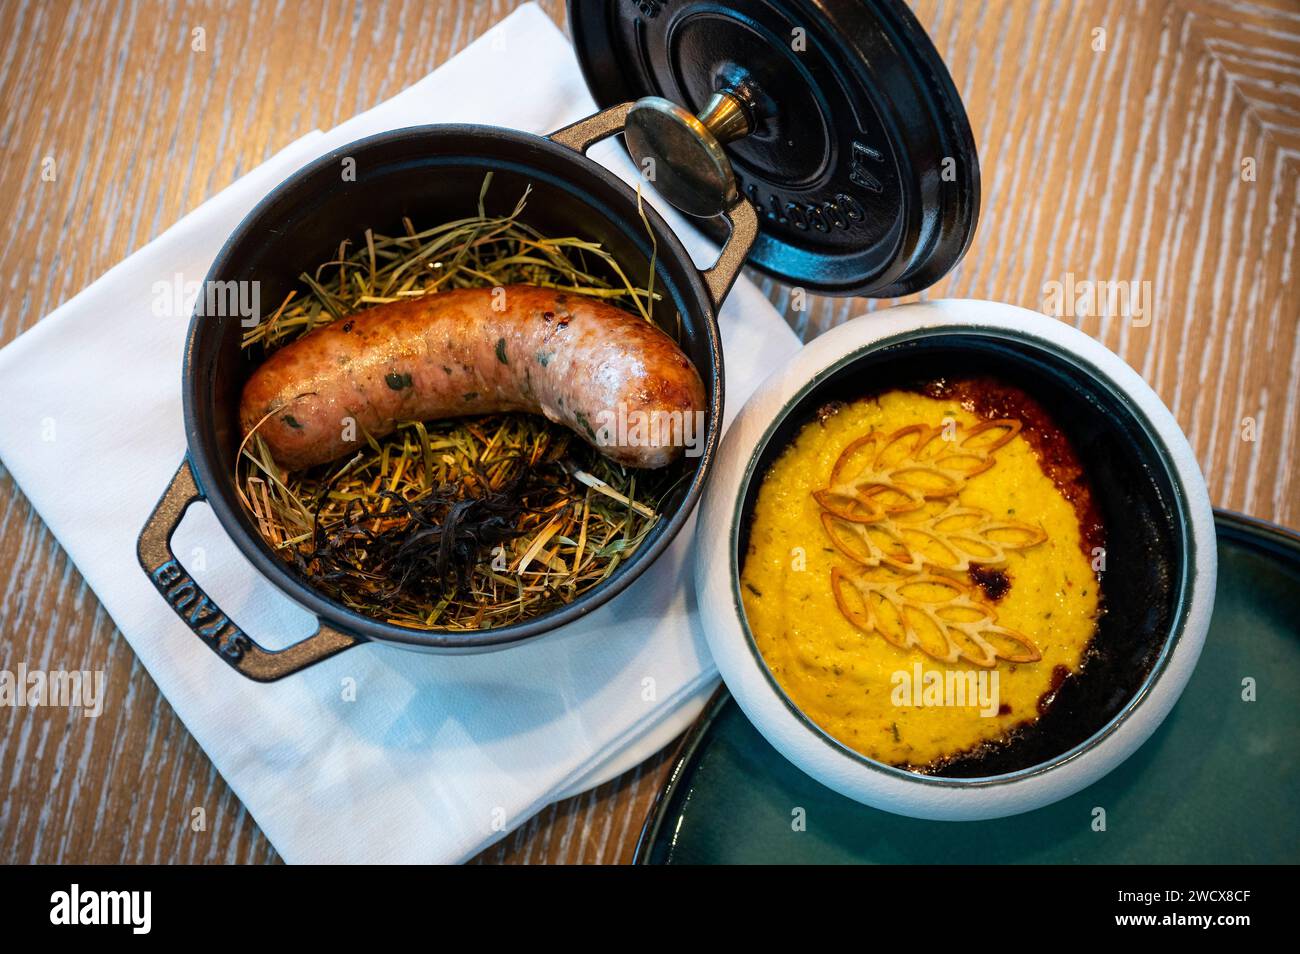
x=845 y=680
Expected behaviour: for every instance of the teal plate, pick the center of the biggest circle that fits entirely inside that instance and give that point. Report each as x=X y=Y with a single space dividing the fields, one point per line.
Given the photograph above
x=1217 y=784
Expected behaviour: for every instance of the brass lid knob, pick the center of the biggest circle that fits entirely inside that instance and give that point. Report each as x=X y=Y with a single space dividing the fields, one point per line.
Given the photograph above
x=682 y=154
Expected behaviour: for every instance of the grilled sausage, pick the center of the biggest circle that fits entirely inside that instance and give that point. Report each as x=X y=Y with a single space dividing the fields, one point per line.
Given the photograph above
x=574 y=359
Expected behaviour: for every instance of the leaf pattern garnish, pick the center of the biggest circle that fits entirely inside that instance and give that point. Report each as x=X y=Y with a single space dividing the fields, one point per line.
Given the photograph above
x=878 y=475
x=943 y=535
x=892 y=507
x=935 y=614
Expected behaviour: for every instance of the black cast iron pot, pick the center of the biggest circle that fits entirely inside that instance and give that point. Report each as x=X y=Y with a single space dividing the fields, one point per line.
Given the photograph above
x=828 y=136
x=429 y=174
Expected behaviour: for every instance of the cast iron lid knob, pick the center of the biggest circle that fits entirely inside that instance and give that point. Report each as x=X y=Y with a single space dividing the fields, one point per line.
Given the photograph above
x=835 y=119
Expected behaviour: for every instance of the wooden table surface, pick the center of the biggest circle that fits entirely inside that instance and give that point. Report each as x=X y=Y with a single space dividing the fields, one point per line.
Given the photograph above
x=1169 y=156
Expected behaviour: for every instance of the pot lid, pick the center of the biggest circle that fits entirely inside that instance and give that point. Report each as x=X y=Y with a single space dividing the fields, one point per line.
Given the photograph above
x=837 y=118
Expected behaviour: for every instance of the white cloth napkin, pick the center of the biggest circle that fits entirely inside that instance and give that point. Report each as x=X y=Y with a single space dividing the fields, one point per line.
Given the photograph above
x=438 y=756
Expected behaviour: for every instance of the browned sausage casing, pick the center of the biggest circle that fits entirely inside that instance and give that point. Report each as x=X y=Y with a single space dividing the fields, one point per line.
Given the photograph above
x=572 y=358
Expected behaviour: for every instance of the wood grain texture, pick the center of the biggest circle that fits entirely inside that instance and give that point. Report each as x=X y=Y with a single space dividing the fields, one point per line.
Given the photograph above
x=1116 y=164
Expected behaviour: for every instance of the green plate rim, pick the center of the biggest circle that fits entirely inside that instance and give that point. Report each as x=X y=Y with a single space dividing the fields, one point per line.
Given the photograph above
x=1270 y=538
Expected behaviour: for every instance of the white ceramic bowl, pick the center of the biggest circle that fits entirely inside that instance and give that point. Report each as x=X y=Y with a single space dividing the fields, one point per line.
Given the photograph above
x=1173 y=517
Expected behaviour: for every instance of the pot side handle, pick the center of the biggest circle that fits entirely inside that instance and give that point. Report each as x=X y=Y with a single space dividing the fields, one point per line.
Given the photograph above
x=198 y=611
x=741 y=217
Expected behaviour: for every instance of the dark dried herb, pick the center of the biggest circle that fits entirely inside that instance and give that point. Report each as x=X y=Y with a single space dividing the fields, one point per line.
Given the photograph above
x=432 y=547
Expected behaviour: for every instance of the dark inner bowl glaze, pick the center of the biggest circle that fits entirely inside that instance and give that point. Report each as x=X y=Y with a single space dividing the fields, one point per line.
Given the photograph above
x=1146 y=547
x=431 y=175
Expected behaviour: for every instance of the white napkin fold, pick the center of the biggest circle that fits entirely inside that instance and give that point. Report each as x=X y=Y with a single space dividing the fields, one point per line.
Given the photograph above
x=438 y=756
